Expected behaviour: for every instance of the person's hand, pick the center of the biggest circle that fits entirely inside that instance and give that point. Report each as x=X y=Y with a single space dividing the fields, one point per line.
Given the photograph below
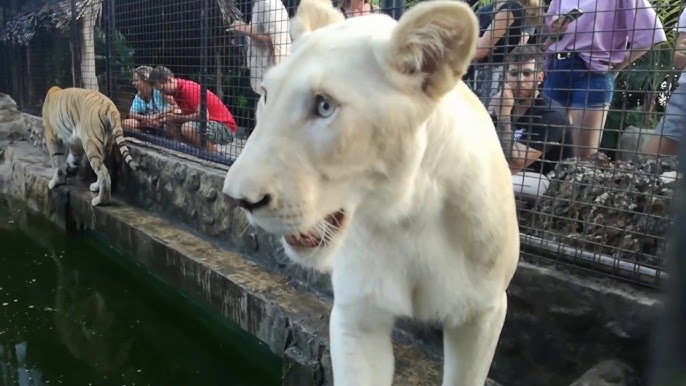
x=506 y=100
x=152 y=120
x=559 y=27
x=146 y=121
x=239 y=26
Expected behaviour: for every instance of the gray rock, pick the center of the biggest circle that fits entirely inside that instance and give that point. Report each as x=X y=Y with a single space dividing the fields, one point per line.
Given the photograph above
x=7 y=103
x=180 y=173
x=299 y=369
x=13 y=131
x=617 y=208
x=608 y=373
x=12 y=125
x=193 y=182
x=10 y=116
x=209 y=193
x=631 y=142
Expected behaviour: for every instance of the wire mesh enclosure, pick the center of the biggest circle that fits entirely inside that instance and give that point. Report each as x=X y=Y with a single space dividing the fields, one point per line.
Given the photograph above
x=587 y=98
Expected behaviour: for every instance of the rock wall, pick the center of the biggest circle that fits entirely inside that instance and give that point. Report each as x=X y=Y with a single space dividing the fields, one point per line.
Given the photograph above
x=619 y=208
x=13 y=126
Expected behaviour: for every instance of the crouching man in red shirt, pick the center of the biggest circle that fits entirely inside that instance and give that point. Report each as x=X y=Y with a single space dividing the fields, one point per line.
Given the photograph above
x=220 y=126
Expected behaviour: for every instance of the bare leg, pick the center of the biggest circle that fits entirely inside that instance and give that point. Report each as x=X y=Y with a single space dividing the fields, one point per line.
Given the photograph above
x=468 y=349
x=171 y=130
x=587 y=130
x=191 y=135
x=659 y=145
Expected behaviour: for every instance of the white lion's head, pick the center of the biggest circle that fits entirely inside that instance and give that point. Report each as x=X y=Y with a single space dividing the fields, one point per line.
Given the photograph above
x=339 y=125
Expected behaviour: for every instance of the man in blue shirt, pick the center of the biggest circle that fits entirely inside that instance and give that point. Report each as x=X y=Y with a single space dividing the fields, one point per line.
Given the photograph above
x=149 y=105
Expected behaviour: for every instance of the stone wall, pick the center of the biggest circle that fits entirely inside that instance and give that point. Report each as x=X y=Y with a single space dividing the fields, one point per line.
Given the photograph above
x=559 y=324
x=12 y=122
x=292 y=322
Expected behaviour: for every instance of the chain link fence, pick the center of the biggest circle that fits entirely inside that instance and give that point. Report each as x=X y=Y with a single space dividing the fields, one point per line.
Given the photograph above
x=585 y=96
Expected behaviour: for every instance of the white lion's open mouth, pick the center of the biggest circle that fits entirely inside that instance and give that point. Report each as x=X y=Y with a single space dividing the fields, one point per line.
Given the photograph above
x=321 y=234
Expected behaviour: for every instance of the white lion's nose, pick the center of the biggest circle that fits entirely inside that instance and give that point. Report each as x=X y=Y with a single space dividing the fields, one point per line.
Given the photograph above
x=245 y=189
x=250 y=205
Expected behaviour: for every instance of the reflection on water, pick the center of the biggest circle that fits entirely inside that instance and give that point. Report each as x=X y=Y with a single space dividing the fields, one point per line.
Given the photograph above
x=71 y=313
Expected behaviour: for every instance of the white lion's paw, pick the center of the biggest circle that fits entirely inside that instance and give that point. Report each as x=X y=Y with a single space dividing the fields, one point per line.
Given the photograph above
x=94 y=187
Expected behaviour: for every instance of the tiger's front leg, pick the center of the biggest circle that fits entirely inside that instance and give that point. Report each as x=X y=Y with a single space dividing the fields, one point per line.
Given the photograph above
x=59 y=167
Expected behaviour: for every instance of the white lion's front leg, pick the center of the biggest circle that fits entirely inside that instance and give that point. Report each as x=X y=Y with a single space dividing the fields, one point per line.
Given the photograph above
x=361 y=346
x=468 y=349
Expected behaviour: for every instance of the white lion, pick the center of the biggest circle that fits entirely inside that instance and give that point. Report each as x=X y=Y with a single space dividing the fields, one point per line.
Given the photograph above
x=375 y=162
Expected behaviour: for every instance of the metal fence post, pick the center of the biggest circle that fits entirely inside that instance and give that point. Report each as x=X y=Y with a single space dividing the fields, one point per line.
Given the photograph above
x=393 y=8
x=204 y=36
x=75 y=47
x=109 y=19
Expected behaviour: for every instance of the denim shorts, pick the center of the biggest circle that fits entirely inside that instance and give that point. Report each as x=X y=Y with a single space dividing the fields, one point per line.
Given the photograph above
x=570 y=83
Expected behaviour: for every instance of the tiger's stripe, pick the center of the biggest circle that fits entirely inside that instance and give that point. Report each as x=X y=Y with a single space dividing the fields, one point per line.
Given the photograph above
x=86 y=118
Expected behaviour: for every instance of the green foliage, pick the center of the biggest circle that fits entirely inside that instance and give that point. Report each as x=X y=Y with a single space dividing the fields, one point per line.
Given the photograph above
x=242 y=101
x=481 y=3
x=643 y=88
x=122 y=54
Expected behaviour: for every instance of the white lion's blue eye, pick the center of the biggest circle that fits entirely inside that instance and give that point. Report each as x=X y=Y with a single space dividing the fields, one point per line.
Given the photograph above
x=324 y=107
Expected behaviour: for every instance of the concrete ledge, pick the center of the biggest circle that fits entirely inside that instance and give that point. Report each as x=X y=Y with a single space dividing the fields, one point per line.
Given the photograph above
x=293 y=323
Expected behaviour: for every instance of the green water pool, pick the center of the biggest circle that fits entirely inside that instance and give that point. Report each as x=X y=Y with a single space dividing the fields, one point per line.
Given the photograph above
x=74 y=311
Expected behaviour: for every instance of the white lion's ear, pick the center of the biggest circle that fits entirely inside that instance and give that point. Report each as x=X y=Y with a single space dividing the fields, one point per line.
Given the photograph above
x=435 y=40
x=313 y=14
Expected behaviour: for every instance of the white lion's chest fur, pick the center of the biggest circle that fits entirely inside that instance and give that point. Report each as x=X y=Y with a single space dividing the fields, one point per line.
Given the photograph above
x=415 y=268
x=406 y=274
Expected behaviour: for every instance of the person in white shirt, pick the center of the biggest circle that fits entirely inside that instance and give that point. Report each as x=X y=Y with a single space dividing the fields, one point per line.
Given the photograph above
x=268 y=38
x=670 y=129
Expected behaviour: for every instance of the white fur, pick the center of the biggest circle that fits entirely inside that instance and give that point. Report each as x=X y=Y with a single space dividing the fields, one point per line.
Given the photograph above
x=412 y=157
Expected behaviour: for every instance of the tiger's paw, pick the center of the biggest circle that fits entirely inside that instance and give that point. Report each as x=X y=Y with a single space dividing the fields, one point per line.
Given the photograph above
x=54 y=182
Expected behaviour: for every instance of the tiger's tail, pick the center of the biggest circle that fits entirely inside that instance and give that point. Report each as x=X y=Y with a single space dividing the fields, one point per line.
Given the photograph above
x=114 y=118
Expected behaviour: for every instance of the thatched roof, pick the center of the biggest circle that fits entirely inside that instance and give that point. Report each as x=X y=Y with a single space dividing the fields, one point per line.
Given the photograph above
x=57 y=14
x=51 y=14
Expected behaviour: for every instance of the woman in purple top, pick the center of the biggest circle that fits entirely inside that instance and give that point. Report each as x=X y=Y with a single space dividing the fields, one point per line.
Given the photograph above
x=583 y=56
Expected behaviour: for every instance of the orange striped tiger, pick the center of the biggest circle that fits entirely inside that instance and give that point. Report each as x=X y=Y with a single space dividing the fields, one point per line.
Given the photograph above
x=77 y=116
